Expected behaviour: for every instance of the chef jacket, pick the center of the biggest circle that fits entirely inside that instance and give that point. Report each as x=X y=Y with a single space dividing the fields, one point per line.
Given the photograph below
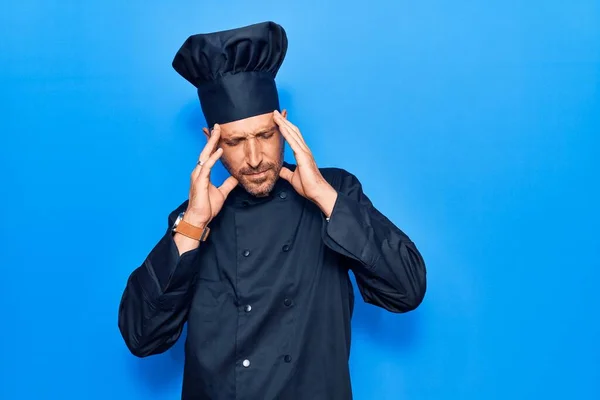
x=267 y=298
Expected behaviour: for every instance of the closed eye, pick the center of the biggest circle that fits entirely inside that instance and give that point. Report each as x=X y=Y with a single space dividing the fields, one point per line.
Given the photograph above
x=232 y=142
x=261 y=135
x=266 y=135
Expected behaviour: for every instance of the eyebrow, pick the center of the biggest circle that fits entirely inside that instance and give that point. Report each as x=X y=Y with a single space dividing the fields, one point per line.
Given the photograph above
x=241 y=135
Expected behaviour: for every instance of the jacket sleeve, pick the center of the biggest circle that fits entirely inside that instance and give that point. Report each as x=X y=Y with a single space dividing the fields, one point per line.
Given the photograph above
x=390 y=272
x=156 y=299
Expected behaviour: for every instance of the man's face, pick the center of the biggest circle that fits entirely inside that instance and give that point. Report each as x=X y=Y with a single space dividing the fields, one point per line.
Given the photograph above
x=253 y=152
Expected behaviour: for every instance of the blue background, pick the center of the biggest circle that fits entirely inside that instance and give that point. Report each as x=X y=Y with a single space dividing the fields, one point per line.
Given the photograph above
x=473 y=125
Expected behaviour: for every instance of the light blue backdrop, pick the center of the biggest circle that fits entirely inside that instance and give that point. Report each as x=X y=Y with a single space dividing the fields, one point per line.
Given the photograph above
x=473 y=125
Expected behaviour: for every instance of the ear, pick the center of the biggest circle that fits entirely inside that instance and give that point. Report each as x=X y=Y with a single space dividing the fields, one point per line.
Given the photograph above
x=284 y=113
x=206 y=133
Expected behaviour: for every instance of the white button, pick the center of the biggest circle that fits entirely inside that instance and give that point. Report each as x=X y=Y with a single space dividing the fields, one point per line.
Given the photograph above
x=246 y=363
x=248 y=308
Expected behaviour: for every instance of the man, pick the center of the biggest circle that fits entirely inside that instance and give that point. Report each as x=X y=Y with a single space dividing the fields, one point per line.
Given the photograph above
x=258 y=267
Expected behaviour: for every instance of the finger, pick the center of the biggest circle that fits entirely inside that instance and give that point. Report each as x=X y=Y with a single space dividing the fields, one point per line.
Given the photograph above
x=204 y=174
x=207 y=151
x=196 y=171
x=295 y=132
x=287 y=134
x=227 y=186
x=286 y=174
x=211 y=144
x=207 y=166
x=295 y=129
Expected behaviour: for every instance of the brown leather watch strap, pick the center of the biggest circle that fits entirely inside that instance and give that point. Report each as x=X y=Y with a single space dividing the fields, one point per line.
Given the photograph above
x=192 y=231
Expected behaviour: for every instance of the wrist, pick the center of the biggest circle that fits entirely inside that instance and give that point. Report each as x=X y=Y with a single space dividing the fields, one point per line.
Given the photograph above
x=194 y=218
x=326 y=199
x=191 y=226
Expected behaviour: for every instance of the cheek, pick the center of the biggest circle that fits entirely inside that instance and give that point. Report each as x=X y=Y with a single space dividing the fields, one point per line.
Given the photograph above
x=229 y=157
x=273 y=148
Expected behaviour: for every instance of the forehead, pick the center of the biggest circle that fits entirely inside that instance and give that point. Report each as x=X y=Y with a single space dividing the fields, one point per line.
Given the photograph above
x=248 y=126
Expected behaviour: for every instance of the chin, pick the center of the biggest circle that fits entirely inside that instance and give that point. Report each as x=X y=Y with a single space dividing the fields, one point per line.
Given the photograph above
x=258 y=187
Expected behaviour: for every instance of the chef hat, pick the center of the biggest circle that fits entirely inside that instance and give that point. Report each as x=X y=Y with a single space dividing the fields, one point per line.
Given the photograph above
x=234 y=70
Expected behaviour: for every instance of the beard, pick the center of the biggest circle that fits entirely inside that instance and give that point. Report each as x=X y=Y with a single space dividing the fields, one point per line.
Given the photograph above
x=257 y=186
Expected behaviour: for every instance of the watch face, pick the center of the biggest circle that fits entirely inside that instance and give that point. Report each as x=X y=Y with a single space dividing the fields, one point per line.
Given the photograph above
x=179 y=217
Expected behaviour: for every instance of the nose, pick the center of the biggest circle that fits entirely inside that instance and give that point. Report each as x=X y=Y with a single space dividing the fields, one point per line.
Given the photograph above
x=253 y=153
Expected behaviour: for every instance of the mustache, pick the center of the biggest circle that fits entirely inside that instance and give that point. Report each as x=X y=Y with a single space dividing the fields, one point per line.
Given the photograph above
x=261 y=168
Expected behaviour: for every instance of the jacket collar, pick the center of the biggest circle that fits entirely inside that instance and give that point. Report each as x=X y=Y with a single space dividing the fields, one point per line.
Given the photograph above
x=239 y=197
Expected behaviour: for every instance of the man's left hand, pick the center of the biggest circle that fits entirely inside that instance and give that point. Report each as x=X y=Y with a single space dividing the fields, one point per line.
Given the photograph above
x=306 y=178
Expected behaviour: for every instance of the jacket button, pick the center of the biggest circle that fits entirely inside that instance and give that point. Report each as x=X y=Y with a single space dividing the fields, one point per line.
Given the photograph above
x=287 y=302
x=286 y=247
x=287 y=358
x=283 y=195
x=248 y=308
x=246 y=253
x=246 y=363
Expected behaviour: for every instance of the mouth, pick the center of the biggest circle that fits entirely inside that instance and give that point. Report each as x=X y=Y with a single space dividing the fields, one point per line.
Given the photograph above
x=257 y=174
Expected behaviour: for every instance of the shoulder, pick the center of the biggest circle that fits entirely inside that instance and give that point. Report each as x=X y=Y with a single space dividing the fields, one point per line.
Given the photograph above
x=339 y=178
x=335 y=176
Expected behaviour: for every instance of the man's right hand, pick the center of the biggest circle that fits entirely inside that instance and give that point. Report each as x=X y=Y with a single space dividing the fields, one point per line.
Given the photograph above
x=205 y=199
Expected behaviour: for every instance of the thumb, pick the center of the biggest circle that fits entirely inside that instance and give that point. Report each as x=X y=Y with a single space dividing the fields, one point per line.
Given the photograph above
x=286 y=174
x=227 y=186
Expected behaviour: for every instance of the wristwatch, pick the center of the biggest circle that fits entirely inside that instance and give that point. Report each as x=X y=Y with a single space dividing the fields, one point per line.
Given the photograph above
x=189 y=230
